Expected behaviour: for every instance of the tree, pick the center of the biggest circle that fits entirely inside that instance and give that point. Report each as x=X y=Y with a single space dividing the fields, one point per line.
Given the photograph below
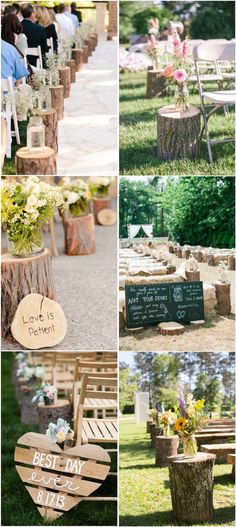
x=128 y=387
x=126 y=12
x=142 y=18
x=213 y=20
x=209 y=389
x=166 y=368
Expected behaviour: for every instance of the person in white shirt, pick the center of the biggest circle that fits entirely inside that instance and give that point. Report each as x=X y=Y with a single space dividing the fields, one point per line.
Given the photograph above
x=66 y=26
x=73 y=18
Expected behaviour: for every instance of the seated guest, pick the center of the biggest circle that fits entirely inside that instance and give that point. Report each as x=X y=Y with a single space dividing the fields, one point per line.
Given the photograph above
x=75 y=12
x=72 y=17
x=36 y=34
x=44 y=19
x=66 y=26
x=12 y=33
x=11 y=63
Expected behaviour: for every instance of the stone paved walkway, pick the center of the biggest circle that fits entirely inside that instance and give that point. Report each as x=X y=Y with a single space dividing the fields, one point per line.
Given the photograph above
x=88 y=132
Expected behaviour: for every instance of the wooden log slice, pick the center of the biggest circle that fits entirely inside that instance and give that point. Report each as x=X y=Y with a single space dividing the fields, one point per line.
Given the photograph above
x=170 y=269
x=51 y=129
x=50 y=413
x=80 y=235
x=197 y=323
x=178 y=133
x=231 y=263
x=165 y=447
x=85 y=54
x=170 y=328
x=42 y=163
x=192 y=276
x=20 y=277
x=57 y=100
x=71 y=65
x=156 y=84
x=223 y=304
x=191 y=485
x=106 y=217
x=100 y=204
x=78 y=56
x=64 y=76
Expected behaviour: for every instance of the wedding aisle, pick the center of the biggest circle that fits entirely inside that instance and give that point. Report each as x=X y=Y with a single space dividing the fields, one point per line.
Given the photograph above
x=88 y=132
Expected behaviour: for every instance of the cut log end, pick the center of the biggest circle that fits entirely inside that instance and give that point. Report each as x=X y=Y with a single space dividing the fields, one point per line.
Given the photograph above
x=170 y=328
x=106 y=217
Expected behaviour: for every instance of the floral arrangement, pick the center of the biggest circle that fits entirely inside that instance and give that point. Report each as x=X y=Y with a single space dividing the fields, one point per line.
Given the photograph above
x=60 y=431
x=166 y=421
x=28 y=372
x=26 y=205
x=155 y=416
x=223 y=271
x=179 y=71
x=190 y=418
x=131 y=61
x=153 y=26
x=154 y=51
x=99 y=186
x=45 y=394
x=76 y=194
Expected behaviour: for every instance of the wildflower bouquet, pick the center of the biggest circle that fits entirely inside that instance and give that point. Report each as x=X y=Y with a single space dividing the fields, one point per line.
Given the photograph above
x=45 y=394
x=99 y=186
x=27 y=204
x=154 y=51
x=32 y=374
x=76 y=194
x=60 y=432
x=190 y=418
x=179 y=71
x=166 y=421
x=155 y=416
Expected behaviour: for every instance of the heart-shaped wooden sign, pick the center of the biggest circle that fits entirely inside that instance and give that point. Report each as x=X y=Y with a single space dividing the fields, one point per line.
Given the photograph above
x=57 y=479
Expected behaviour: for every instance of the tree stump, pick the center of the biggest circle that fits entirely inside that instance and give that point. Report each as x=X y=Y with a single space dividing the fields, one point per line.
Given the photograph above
x=64 y=76
x=51 y=131
x=154 y=432
x=57 y=98
x=211 y=259
x=171 y=249
x=51 y=412
x=77 y=55
x=186 y=253
x=192 y=276
x=170 y=328
x=223 y=303
x=106 y=217
x=42 y=163
x=100 y=204
x=148 y=426
x=178 y=133
x=28 y=410
x=94 y=40
x=170 y=269
x=88 y=43
x=165 y=447
x=156 y=84
x=71 y=65
x=85 y=54
x=191 y=485
x=20 y=277
x=199 y=256
x=79 y=235
x=231 y=263
x=179 y=252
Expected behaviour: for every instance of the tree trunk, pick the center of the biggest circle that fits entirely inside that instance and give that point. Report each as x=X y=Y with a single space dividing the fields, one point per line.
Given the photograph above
x=20 y=277
x=85 y=54
x=51 y=131
x=223 y=305
x=79 y=235
x=71 y=65
x=50 y=413
x=178 y=133
x=28 y=410
x=231 y=263
x=165 y=447
x=57 y=96
x=77 y=55
x=192 y=276
x=42 y=163
x=156 y=84
x=64 y=75
x=211 y=259
x=191 y=484
x=99 y=204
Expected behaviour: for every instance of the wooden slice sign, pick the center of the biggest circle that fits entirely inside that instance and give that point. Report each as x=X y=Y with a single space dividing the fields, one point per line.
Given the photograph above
x=106 y=217
x=54 y=477
x=39 y=322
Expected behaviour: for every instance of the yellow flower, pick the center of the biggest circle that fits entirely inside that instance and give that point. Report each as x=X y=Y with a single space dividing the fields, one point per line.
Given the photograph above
x=60 y=436
x=180 y=424
x=199 y=405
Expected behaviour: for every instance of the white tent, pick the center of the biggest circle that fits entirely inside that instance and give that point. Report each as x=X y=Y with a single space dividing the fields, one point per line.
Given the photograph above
x=134 y=229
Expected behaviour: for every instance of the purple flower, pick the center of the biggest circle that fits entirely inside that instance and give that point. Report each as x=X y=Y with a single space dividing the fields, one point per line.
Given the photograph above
x=182 y=404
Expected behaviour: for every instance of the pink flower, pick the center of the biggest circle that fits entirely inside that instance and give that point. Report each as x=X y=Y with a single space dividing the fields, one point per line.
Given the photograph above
x=168 y=71
x=176 y=43
x=153 y=42
x=185 y=50
x=180 y=75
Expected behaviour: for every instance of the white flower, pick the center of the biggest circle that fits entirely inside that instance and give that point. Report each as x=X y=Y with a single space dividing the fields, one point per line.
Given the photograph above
x=72 y=197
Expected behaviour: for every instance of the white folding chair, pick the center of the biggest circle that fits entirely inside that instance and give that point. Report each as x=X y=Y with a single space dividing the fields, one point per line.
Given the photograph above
x=213 y=52
x=36 y=52
x=50 y=46
x=9 y=113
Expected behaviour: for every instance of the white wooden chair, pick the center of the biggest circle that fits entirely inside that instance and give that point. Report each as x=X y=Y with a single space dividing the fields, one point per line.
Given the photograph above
x=213 y=52
x=50 y=46
x=9 y=114
x=36 y=52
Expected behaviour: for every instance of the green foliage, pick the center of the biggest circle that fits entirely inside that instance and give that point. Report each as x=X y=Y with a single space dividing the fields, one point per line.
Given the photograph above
x=126 y=12
x=214 y=20
x=209 y=389
x=143 y=16
x=128 y=387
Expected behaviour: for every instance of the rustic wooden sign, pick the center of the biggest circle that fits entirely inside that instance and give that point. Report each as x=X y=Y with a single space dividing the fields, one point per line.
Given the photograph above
x=150 y=304
x=54 y=477
x=39 y=322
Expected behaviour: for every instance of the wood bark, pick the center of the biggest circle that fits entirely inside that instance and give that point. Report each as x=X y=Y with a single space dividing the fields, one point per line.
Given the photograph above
x=28 y=410
x=51 y=129
x=71 y=65
x=148 y=426
x=154 y=432
x=20 y=277
x=170 y=328
x=171 y=249
x=50 y=413
x=156 y=84
x=178 y=133
x=170 y=269
x=199 y=256
x=192 y=276
x=79 y=235
x=57 y=97
x=99 y=204
x=78 y=56
x=211 y=259
x=191 y=485
x=88 y=43
x=223 y=305
x=231 y=263
x=64 y=76
x=179 y=252
x=85 y=54
x=165 y=447
x=42 y=163
x=186 y=253
x=205 y=257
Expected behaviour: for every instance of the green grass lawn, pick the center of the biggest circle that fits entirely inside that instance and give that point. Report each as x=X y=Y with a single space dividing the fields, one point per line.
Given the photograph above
x=9 y=167
x=144 y=488
x=138 y=135
x=17 y=505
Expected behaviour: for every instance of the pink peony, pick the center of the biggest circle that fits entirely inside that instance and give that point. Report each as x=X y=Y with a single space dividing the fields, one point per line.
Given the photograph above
x=180 y=75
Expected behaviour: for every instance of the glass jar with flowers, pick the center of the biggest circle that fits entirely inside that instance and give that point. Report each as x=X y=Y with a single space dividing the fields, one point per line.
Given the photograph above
x=28 y=203
x=166 y=421
x=179 y=71
x=45 y=394
x=60 y=432
x=99 y=187
x=190 y=418
x=154 y=52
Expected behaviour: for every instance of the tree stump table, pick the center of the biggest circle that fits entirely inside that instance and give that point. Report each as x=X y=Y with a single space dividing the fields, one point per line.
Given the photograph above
x=71 y=65
x=85 y=54
x=223 y=303
x=88 y=43
x=186 y=253
x=51 y=131
x=77 y=55
x=57 y=100
x=178 y=133
x=192 y=276
x=148 y=427
x=28 y=410
x=79 y=235
x=64 y=76
x=51 y=412
x=100 y=204
x=156 y=84
x=231 y=263
x=154 y=432
x=191 y=485
x=211 y=259
x=166 y=446
x=42 y=163
x=20 y=277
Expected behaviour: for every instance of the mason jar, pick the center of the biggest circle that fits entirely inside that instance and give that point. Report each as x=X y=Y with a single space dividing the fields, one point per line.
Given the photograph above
x=35 y=134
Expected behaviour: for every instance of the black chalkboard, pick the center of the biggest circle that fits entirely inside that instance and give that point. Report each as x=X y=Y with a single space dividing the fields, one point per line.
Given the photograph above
x=149 y=304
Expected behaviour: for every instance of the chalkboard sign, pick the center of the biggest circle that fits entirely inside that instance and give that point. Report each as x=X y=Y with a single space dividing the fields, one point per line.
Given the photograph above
x=149 y=304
